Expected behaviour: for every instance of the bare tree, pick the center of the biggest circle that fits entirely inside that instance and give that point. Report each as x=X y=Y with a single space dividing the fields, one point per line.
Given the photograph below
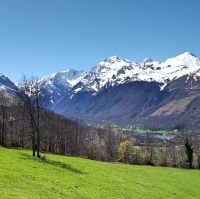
x=32 y=98
x=112 y=138
x=149 y=148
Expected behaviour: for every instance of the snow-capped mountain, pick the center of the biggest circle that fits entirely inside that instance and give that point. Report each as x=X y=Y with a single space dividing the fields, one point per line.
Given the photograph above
x=115 y=70
x=6 y=85
x=58 y=84
x=186 y=59
x=126 y=92
x=118 y=90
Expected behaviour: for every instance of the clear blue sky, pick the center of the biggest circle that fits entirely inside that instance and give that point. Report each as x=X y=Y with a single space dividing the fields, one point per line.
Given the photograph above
x=41 y=37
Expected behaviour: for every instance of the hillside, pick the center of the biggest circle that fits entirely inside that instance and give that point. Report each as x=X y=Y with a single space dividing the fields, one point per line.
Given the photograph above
x=67 y=177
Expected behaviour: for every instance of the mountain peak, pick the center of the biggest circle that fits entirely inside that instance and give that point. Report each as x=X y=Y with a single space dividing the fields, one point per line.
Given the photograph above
x=185 y=59
x=113 y=59
x=59 y=84
x=187 y=54
x=147 y=60
x=7 y=85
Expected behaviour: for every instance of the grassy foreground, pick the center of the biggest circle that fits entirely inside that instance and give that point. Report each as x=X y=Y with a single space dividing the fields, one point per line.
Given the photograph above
x=22 y=176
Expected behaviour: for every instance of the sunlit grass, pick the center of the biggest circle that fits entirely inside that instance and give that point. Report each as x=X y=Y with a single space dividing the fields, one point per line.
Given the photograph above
x=23 y=176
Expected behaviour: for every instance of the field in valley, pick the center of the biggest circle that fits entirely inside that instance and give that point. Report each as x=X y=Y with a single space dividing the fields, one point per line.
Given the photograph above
x=55 y=176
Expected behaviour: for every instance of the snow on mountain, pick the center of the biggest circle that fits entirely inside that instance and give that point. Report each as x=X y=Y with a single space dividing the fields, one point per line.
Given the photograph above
x=124 y=92
x=181 y=65
x=7 y=85
x=115 y=70
x=185 y=59
x=67 y=78
x=58 y=84
x=171 y=69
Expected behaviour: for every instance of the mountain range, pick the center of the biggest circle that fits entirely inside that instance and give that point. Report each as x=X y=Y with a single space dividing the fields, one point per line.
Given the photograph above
x=150 y=94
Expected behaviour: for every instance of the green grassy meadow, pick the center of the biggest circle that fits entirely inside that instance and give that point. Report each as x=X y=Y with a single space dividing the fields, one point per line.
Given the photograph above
x=25 y=177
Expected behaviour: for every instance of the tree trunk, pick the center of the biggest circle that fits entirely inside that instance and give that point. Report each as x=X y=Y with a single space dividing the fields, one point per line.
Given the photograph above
x=38 y=144
x=33 y=143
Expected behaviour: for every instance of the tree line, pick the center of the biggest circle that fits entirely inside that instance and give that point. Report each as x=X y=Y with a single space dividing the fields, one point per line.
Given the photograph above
x=24 y=123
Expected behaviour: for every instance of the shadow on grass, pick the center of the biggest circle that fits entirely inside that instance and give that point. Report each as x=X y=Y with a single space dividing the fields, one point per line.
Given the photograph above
x=52 y=162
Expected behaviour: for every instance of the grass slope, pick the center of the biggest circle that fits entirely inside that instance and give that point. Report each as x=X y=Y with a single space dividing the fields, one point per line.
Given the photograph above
x=22 y=176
